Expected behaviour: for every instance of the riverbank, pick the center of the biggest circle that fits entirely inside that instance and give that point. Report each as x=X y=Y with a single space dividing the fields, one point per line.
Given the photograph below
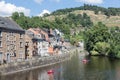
x=11 y=68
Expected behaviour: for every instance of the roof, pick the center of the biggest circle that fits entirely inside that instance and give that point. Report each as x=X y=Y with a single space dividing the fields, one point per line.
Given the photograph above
x=8 y=23
x=32 y=35
x=33 y=31
x=45 y=30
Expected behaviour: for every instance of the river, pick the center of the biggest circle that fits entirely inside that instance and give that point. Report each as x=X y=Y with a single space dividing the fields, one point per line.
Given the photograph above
x=96 y=68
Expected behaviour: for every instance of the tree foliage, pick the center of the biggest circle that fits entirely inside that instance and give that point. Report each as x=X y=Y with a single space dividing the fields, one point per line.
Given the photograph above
x=98 y=33
x=103 y=48
x=107 y=11
x=103 y=40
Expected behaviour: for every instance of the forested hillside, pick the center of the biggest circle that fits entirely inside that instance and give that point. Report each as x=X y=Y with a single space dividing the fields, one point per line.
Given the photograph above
x=71 y=21
x=107 y=11
x=109 y=16
x=64 y=24
x=83 y=16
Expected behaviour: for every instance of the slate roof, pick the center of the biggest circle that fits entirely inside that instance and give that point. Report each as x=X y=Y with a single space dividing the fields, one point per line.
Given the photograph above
x=31 y=34
x=7 y=23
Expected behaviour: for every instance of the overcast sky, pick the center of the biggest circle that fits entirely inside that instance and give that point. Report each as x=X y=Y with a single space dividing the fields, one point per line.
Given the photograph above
x=39 y=7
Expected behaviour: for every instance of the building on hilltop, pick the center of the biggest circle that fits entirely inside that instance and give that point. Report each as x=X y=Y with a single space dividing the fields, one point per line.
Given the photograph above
x=12 y=42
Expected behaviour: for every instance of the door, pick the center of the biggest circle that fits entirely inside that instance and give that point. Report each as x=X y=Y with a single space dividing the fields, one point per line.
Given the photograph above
x=1 y=57
x=8 y=57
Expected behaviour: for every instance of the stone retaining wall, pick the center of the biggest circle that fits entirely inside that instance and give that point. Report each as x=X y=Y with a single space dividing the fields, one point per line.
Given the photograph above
x=35 y=63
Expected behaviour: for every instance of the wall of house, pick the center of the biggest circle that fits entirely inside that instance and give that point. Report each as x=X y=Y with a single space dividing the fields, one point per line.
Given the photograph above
x=39 y=45
x=50 y=50
x=43 y=33
x=11 y=49
x=28 y=41
x=3 y=44
x=43 y=48
x=20 y=47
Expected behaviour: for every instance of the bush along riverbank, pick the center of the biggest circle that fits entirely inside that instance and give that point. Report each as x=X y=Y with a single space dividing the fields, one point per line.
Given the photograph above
x=15 y=67
x=103 y=41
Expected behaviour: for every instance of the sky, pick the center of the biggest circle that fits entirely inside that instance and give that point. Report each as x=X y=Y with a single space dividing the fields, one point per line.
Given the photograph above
x=39 y=7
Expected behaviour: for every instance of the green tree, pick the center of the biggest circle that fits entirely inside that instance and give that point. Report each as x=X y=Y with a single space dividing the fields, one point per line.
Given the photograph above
x=103 y=48
x=15 y=16
x=98 y=33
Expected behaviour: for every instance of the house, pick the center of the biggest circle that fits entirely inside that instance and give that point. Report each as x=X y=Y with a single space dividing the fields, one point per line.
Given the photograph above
x=39 y=45
x=45 y=46
x=58 y=35
x=33 y=43
x=50 y=33
x=11 y=41
x=28 y=44
x=42 y=32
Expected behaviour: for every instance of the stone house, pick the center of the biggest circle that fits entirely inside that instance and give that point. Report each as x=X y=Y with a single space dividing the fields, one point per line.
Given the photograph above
x=28 y=44
x=11 y=41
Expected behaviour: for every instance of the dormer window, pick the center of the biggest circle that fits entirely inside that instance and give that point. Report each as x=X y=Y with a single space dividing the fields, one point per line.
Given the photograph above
x=21 y=44
x=21 y=35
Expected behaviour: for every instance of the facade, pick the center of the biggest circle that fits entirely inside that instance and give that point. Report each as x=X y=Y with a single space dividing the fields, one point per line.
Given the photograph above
x=11 y=41
x=42 y=33
x=35 y=43
x=47 y=45
x=43 y=41
x=17 y=44
x=28 y=45
x=32 y=46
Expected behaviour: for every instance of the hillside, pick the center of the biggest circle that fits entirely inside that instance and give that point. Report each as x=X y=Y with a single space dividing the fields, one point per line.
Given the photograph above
x=71 y=18
x=109 y=21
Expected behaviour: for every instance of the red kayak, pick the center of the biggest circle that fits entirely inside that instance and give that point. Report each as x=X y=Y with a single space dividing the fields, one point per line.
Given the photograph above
x=50 y=72
x=85 y=60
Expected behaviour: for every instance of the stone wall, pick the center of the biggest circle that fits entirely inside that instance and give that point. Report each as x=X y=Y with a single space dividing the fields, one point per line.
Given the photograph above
x=35 y=63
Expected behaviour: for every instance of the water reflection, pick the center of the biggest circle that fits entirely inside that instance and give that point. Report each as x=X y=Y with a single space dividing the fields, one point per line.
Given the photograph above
x=38 y=74
x=97 y=68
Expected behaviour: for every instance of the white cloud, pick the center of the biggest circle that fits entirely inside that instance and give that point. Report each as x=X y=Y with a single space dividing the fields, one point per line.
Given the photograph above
x=39 y=1
x=91 y=1
x=56 y=0
x=43 y=12
x=6 y=9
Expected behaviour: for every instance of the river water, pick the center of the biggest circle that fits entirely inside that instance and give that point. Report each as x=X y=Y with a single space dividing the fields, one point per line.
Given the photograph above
x=96 y=68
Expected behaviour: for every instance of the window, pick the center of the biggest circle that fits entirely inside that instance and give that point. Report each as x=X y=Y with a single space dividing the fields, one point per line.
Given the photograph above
x=21 y=55
x=0 y=56
x=7 y=37
x=11 y=54
x=0 y=33
x=21 y=44
x=21 y=35
x=8 y=48
x=0 y=43
x=10 y=33
x=14 y=47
